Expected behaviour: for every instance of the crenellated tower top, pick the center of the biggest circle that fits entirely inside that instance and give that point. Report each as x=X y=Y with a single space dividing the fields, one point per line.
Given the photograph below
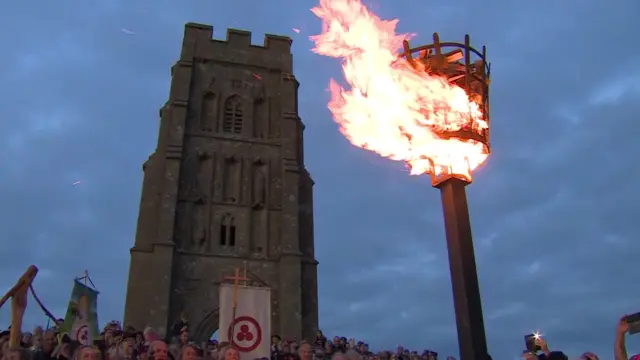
x=199 y=43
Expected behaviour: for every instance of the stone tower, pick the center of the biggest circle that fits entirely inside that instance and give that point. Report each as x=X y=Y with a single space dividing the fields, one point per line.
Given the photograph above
x=226 y=187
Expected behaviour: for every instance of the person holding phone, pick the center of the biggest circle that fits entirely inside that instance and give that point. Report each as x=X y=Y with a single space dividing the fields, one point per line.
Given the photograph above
x=620 y=347
x=535 y=343
x=542 y=344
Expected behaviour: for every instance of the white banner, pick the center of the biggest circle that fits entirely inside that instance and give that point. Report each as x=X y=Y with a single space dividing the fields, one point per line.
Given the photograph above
x=250 y=333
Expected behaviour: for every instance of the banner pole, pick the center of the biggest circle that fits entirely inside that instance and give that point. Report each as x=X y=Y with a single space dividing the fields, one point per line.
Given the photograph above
x=236 y=284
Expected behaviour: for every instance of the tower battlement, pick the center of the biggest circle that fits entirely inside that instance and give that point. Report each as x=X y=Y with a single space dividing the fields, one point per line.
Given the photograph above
x=238 y=39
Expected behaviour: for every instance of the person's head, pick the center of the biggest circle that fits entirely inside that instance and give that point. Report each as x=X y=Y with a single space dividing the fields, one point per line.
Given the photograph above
x=4 y=348
x=36 y=342
x=336 y=340
x=63 y=350
x=212 y=345
x=275 y=339
x=352 y=355
x=305 y=352
x=184 y=336
x=143 y=351
x=116 y=351
x=338 y=356
x=150 y=334
x=86 y=352
x=108 y=336
x=189 y=352
x=212 y=355
x=17 y=354
x=116 y=338
x=158 y=350
x=400 y=350
x=127 y=346
x=26 y=338
x=589 y=356
x=328 y=347
x=97 y=353
x=347 y=355
x=130 y=340
x=49 y=341
x=4 y=335
x=229 y=353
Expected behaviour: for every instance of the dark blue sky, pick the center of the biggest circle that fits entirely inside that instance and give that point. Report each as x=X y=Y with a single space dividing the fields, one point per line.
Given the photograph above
x=553 y=211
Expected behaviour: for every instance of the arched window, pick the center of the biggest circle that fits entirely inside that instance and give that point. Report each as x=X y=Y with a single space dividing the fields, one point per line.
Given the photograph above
x=232 y=122
x=228 y=231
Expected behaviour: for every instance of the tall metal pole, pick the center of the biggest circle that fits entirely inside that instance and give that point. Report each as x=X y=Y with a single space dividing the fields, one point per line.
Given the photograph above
x=473 y=78
x=472 y=341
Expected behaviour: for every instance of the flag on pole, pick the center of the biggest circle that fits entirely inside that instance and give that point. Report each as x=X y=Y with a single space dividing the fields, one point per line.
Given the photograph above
x=81 y=320
x=250 y=332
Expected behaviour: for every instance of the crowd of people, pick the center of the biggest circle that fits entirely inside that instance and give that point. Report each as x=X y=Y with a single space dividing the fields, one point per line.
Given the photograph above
x=116 y=343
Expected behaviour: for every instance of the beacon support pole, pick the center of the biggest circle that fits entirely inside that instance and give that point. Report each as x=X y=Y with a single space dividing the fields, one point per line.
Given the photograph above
x=454 y=62
x=472 y=340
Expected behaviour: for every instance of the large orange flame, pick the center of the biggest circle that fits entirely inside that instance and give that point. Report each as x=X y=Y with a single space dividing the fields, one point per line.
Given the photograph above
x=392 y=108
